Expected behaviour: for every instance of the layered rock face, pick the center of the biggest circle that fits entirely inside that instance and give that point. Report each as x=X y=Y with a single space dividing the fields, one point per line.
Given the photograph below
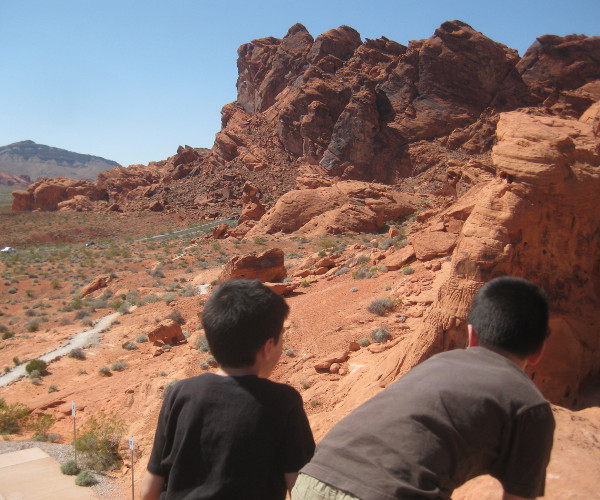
x=537 y=219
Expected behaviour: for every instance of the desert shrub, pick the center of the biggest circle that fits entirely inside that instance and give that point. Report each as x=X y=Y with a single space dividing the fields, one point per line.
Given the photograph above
x=99 y=442
x=12 y=290
x=53 y=437
x=169 y=297
x=105 y=370
x=34 y=374
x=407 y=270
x=381 y=334
x=381 y=306
x=86 y=478
x=129 y=346
x=41 y=424
x=52 y=388
x=290 y=352
x=341 y=270
x=82 y=313
x=202 y=344
x=16 y=361
x=305 y=383
x=119 y=366
x=363 y=342
x=149 y=299
x=141 y=338
x=363 y=273
x=77 y=353
x=385 y=243
x=176 y=315
x=3 y=328
x=12 y=417
x=305 y=283
x=7 y=335
x=189 y=291
x=32 y=326
x=69 y=468
x=37 y=364
x=87 y=322
x=30 y=313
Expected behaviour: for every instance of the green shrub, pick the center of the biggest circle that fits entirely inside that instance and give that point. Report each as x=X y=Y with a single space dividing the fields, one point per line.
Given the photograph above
x=290 y=352
x=202 y=344
x=407 y=270
x=37 y=364
x=119 y=366
x=381 y=306
x=129 y=346
x=12 y=417
x=363 y=273
x=52 y=388
x=34 y=374
x=32 y=326
x=105 y=370
x=99 y=442
x=7 y=335
x=41 y=424
x=364 y=342
x=176 y=316
x=86 y=478
x=12 y=290
x=141 y=338
x=169 y=386
x=381 y=334
x=69 y=468
x=77 y=353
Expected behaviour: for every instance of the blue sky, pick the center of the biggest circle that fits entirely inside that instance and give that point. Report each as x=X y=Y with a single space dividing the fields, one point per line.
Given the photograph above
x=131 y=80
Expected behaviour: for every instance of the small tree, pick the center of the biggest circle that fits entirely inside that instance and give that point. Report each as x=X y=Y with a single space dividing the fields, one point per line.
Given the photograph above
x=41 y=424
x=12 y=417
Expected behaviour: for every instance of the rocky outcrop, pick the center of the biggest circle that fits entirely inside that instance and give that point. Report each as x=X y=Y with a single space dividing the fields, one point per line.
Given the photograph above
x=537 y=219
x=46 y=194
x=96 y=284
x=167 y=332
x=344 y=207
x=266 y=266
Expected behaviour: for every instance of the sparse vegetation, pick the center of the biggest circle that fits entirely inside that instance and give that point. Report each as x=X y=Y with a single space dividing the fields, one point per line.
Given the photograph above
x=69 y=468
x=363 y=342
x=202 y=344
x=381 y=306
x=77 y=353
x=99 y=442
x=407 y=270
x=36 y=365
x=129 y=346
x=381 y=335
x=86 y=478
x=141 y=338
x=12 y=417
x=119 y=366
x=105 y=370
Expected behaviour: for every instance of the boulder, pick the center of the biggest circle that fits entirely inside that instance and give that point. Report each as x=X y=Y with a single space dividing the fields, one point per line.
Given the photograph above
x=168 y=332
x=430 y=244
x=97 y=283
x=266 y=266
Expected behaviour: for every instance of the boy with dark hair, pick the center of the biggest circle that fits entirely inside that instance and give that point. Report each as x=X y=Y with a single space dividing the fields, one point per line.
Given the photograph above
x=232 y=434
x=458 y=415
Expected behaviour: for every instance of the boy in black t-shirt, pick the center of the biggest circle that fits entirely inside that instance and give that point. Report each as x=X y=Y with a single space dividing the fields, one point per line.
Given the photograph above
x=232 y=434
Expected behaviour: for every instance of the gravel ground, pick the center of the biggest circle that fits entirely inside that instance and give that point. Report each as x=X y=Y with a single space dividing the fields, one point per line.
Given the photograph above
x=107 y=487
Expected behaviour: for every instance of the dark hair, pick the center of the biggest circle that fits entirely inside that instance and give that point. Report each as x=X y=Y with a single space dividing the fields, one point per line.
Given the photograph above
x=239 y=317
x=510 y=314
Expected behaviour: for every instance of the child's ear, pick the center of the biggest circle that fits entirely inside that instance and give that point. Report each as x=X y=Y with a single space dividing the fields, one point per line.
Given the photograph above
x=473 y=336
x=267 y=348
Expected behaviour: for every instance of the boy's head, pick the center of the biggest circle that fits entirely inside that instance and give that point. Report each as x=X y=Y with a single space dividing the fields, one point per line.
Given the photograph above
x=239 y=317
x=510 y=314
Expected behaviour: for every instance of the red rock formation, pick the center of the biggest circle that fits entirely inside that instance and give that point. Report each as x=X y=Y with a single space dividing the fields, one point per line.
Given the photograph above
x=537 y=219
x=168 y=332
x=344 y=207
x=96 y=284
x=266 y=266
x=8 y=179
x=46 y=194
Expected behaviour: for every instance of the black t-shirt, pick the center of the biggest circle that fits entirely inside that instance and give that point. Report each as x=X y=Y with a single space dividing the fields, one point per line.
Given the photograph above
x=458 y=415
x=229 y=438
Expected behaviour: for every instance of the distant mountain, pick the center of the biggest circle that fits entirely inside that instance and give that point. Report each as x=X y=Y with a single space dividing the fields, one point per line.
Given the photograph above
x=37 y=160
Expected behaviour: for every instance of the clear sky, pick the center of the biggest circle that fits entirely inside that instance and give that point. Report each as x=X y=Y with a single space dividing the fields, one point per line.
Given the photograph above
x=130 y=80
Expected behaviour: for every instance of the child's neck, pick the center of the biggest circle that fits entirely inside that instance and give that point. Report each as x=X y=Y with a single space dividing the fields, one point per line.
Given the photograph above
x=226 y=371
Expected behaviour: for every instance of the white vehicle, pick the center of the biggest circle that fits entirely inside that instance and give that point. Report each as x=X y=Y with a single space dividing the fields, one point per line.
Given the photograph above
x=7 y=250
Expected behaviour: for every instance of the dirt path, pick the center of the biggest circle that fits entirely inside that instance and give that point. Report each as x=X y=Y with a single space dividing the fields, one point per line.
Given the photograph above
x=81 y=339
